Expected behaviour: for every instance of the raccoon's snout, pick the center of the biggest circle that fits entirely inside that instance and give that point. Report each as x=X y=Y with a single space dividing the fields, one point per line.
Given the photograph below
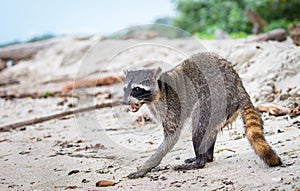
x=134 y=107
x=134 y=103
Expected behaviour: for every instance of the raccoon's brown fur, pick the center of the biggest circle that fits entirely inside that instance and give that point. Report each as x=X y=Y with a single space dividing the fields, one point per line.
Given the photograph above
x=254 y=129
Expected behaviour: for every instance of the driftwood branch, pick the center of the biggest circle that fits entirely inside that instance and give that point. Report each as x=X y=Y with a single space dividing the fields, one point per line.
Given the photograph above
x=2 y=64
x=8 y=82
x=55 y=116
x=24 y=51
x=109 y=80
x=275 y=110
x=276 y=35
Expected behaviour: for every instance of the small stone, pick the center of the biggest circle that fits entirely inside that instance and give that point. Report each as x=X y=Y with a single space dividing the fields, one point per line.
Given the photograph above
x=105 y=183
x=85 y=181
x=277 y=179
x=38 y=139
x=270 y=98
x=284 y=97
x=73 y=172
x=163 y=178
x=279 y=131
x=24 y=152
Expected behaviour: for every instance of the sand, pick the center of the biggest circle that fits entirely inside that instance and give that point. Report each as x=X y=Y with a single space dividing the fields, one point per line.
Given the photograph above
x=76 y=151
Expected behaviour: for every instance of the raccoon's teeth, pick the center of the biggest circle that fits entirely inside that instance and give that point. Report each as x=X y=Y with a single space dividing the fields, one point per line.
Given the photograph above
x=133 y=108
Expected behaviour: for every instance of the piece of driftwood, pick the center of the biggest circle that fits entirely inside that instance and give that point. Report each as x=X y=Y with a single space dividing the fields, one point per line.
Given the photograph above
x=23 y=51
x=294 y=31
x=276 y=35
x=105 y=183
x=9 y=82
x=34 y=95
x=258 y=23
x=2 y=64
x=295 y=111
x=55 y=116
x=274 y=109
x=109 y=80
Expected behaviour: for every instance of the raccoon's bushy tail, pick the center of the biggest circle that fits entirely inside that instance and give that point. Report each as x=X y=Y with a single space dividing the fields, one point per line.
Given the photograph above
x=254 y=130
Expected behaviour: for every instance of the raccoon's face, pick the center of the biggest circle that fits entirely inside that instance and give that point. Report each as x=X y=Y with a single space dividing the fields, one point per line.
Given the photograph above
x=140 y=87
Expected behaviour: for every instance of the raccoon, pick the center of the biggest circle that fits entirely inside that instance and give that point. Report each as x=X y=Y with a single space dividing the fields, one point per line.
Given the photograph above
x=205 y=88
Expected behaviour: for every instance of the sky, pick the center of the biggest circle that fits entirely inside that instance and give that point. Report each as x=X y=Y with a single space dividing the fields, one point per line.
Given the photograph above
x=23 y=19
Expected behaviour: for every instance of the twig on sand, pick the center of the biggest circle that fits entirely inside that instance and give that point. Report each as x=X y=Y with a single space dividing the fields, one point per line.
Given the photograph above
x=55 y=116
x=108 y=80
x=275 y=110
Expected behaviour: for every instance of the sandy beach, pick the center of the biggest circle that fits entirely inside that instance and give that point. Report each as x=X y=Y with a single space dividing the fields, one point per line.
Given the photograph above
x=75 y=151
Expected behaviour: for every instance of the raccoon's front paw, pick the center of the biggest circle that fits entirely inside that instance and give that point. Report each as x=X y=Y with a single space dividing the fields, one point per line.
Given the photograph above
x=190 y=160
x=189 y=166
x=138 y=174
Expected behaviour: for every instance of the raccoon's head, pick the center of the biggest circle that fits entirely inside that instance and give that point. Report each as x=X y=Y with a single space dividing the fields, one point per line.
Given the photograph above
x=140 y=87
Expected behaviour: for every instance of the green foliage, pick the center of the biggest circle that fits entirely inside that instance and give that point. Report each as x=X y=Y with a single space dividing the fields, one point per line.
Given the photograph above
x=164 y=21
x=48 y=94
x=9 y=43
x=238 y=35
x=272 y=10
x=33 y=39
x=204 y=35
x=281 y=23
x=205 y=16
x=41 y=37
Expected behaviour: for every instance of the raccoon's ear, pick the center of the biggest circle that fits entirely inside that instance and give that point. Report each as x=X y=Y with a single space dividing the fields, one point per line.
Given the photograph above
x=157 y=72
x=125 y=71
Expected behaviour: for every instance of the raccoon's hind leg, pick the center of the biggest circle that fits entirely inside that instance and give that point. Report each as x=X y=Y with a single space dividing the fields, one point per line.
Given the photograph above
x=209 y=155
x=203 y=140
x=201 y=158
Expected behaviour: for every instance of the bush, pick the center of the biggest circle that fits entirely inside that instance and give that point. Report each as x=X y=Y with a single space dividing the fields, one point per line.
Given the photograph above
x=208 y=15
x=41 y=37
x=33 y=39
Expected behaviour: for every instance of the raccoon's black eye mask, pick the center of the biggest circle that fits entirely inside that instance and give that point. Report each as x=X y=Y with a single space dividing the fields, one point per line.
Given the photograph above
x=140 y=93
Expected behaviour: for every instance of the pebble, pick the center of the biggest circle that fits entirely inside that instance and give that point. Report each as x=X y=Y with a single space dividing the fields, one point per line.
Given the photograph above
x=73 y=172
x=270 y=98
x=277 y=179
x=284 y=97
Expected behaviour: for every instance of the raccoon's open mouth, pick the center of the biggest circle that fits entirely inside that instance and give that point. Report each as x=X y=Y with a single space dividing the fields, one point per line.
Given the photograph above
x=134 y=107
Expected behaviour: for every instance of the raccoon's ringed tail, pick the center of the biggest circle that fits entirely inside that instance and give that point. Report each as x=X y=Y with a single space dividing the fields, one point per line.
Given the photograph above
x=254 y=130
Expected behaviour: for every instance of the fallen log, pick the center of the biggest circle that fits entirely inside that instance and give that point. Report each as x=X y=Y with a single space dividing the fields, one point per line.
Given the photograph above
x=16 y=125
x=276 y=35
x=9 y=82
x=109 y=80
x=34 y=95
x=274 y=109
x=24 y=51
x=2 y=64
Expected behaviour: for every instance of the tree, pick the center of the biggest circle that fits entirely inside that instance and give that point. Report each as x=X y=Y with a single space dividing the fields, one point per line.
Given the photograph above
x=229 y=15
